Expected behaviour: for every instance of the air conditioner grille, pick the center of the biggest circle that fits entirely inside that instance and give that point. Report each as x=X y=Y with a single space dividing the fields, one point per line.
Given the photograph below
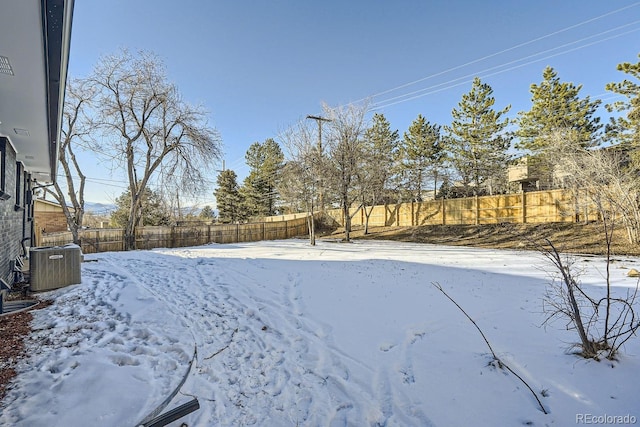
x=54 y=267
x=5 y=66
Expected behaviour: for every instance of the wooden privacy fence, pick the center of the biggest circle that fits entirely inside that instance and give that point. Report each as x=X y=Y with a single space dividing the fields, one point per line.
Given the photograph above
x=112 y=239
x=532 y=207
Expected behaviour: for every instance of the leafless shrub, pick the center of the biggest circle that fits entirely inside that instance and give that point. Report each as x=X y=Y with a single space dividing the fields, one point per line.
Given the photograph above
x=603 y=324
x=612 y=187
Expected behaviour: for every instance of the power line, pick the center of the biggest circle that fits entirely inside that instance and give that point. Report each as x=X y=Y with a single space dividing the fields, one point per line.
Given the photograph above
x=475 y=61
x=516 y=61
x=382 y=104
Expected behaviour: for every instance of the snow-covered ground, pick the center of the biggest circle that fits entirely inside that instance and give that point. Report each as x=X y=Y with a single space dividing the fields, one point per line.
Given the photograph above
x=285 y=334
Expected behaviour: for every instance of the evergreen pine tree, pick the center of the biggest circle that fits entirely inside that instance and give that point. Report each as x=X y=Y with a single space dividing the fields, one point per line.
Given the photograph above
x=422 y=154
x=380 y=157
x=228 y=197
x=381 y=150
x=557 y=108
x=206 y=214
x=626 y=128
x=476 y=142
x=153 y=210
x=259 y=189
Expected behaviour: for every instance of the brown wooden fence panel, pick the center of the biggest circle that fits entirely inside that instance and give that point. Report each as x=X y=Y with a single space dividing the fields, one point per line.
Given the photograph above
x=460 y=211
x=224 y=233
x=56 y=239
x=275 y=230
x=405 y=214
x=251 y=232
x=428 y=213
x=391 y=215
x=376 y=215
x=280 y=218
x=532 y=207
x=499 y=209
x=301 y=227
x=549 y=206
x=187 y=235
x=297 y=228
x=150 y=237
x=102 y=240
x=335 y=214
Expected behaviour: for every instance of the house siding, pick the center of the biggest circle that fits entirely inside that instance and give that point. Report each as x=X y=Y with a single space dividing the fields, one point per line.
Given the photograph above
x=12 y=221
x=51 y=222
x=49 y=217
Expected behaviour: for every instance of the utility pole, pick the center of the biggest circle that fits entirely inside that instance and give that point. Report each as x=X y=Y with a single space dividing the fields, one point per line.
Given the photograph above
x=178 y=205
x=320 y=153
x=319 y=120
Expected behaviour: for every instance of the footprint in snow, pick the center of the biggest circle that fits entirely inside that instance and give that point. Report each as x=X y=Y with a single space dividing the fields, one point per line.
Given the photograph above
x=386 y=346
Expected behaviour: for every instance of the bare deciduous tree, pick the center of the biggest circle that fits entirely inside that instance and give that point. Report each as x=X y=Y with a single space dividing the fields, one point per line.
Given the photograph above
x=150 y=130
x=75 y=130
x=301 y=177
x=346 y=148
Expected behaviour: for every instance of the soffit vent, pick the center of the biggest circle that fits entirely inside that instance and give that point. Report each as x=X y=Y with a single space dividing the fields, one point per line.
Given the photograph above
x=5 y=66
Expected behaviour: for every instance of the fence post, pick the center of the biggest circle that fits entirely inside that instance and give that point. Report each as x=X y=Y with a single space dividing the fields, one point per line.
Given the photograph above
x=443 y=212
x=477 y=209
x=524 y=206
x=237 y=233
x=413 y=213
x=385 y=215
x=38 y=235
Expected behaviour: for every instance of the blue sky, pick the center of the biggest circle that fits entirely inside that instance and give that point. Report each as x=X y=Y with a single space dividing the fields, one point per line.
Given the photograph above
x=260 y=66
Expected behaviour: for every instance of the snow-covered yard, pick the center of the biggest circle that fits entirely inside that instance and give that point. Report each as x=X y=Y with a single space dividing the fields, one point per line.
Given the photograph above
x=337 y=334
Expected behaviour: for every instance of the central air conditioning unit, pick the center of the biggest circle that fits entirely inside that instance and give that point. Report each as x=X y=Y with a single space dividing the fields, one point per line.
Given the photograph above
x=54 y=267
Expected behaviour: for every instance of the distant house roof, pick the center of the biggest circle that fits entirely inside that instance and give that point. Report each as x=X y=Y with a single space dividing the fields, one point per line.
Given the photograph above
x=48 y=205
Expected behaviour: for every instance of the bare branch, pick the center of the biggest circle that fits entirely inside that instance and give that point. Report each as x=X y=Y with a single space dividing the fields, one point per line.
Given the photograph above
x=500 y=363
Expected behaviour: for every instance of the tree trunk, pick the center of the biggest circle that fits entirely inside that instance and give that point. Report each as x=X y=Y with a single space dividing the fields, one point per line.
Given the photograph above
x=132 y=222
x=130 y=235
x=435 y=185
x=367 y=215
x=312 y=227
x=347 y=222
x=588 y=347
